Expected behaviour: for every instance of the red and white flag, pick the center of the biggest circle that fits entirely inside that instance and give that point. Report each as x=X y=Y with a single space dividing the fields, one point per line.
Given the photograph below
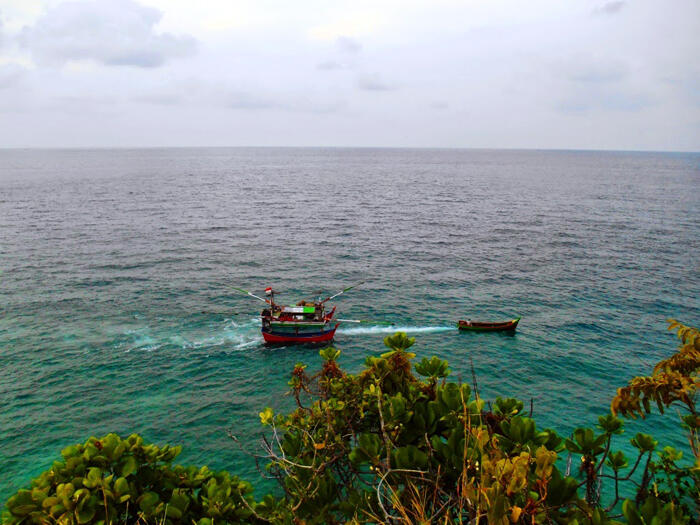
x=268 y=290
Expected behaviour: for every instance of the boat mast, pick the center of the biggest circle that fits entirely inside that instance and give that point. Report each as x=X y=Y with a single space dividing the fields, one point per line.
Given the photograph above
x=342 y=292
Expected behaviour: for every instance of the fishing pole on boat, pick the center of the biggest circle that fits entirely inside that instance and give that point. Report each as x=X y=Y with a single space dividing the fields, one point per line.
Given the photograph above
x=342 y=292
x=365 y=321
x=267 y=301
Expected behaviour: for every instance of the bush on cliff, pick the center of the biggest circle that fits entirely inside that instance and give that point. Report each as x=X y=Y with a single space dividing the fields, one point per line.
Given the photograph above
x=114 y=480
x=397 y=442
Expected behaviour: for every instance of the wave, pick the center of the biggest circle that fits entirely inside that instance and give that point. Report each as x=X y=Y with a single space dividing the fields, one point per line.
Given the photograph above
x=392 y=329
x=239 y=335
x=235 y=335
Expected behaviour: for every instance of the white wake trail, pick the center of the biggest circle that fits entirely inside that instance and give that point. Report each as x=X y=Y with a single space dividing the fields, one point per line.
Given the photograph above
x=392 y=329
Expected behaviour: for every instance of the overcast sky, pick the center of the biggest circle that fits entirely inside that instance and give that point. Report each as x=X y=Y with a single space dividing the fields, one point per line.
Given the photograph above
x=436 y=73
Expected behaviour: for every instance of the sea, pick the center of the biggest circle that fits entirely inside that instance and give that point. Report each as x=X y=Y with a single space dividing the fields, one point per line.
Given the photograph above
x=119 y=268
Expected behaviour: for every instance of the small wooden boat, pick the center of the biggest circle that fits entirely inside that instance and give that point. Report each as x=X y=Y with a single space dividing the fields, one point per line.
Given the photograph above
x=477 y=326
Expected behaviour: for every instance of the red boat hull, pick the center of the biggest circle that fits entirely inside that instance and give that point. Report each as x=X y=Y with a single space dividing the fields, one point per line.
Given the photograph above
x=318 y=337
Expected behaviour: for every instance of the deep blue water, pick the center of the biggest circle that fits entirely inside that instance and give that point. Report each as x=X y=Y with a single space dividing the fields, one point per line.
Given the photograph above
x=117 y=312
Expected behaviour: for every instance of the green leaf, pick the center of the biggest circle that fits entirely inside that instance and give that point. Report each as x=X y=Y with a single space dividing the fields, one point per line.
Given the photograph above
x=435 y=367
x=93 y=478
x=21 y=503
x=129 y=466
x=148 y=501
x=450 y=397
x=507 y=407
x=121 y=485
x=65 y=490
x=179 y=500
x=399 y=341
x=50 y=502
x=617 y=461
x=644 y=442
x=610 y=424
x=367 y=449
x=329 y=353
x=629 y=509
x=409 y=457
x=266 y=416
x=85 y=514
x=71 y=451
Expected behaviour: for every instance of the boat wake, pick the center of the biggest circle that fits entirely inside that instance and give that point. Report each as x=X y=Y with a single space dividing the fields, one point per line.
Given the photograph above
x=234 y=335
x=392 y=329
x=237 y=335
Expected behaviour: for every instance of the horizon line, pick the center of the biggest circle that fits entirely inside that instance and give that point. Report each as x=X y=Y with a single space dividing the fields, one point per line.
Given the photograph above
x=445 y=148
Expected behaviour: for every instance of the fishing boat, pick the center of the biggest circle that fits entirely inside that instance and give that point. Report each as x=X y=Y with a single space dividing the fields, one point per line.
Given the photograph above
x=479 y=326
x=303 y=322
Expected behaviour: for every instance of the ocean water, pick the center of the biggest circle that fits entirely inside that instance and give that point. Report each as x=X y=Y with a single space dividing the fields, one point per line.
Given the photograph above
x=117 y=311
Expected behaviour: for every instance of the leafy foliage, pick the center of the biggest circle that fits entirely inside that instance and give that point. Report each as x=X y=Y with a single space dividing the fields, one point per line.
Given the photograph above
x=383 y=445
x=674 y=379
x=386 y=445
x=114 y=480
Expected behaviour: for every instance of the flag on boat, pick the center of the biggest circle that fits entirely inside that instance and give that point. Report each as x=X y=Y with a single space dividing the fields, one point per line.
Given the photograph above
x=268 y=290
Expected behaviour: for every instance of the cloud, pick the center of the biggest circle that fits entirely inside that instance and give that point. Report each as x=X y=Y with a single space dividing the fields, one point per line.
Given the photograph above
x=330 y=65
x=160 y=99
x=374 y=83
x=599 y=73
x=610 y=8
x=615 y=100
x=238 y=99
x=110 y=32
x=582 y=68
x=11 y=75
x=686 y=84
x=222 y=95
x=348 y=45
x=600 y=84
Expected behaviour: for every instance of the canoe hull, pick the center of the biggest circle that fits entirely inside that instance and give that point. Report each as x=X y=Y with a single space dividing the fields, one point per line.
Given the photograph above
x=473 y=326
x=323 y=336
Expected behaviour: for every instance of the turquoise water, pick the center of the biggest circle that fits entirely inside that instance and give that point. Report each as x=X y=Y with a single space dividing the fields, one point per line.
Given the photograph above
x=117 y=312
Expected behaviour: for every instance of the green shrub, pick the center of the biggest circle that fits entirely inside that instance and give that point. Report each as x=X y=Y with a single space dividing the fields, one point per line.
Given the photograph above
x=385 y=445
x=114 y=480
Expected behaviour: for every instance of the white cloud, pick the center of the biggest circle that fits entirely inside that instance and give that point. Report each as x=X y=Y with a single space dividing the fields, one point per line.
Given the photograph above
x=374 y=82
x=595 y=70
x=11 y=75
x=348 y=45
x=349 y=24
x=351 y=72
x=610 y=8
x=110 y=32
x=226 y=96
x=330 y=65
x=603 y=98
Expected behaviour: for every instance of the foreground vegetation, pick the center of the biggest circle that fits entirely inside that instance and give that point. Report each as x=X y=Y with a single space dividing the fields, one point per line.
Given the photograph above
x=397 y=442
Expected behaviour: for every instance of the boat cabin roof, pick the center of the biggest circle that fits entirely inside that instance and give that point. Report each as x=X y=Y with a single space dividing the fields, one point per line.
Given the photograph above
x=299 y=309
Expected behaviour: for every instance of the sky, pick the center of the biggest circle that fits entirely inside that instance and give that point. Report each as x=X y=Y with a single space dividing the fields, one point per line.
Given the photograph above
x=583 y=74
